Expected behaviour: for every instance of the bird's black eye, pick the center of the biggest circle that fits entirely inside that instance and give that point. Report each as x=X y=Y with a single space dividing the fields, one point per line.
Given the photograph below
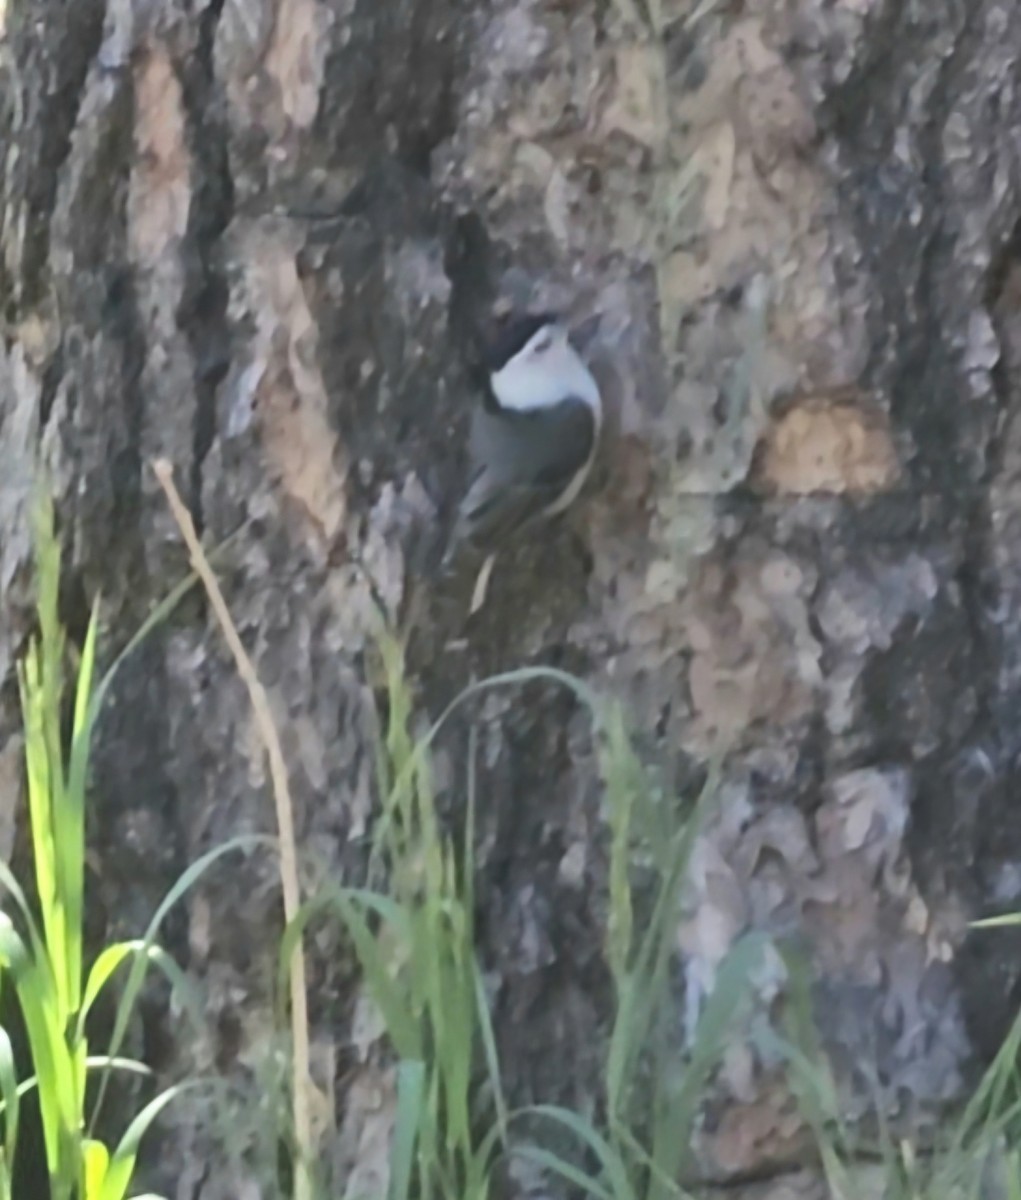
x=543 y=344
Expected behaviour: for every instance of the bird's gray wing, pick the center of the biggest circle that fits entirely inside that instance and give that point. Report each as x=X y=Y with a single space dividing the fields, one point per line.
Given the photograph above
x=521 y=464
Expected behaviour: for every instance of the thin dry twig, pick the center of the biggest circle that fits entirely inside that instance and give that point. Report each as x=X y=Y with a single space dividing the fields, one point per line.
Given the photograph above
x=302 y=1082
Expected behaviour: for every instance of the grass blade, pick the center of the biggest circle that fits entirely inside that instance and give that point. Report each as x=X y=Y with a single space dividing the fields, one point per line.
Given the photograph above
x=112 y=957
x=612 y=1164
x=122 y=1164
x=141 y=960
x=11 y=1100
x=559 y=1166
x=490 y=1052
x=96 y=1161
x=730 y=993
x=37 y=999
x=13 y=888
x=386 y=991
x=410 y=1101
x=69 y=829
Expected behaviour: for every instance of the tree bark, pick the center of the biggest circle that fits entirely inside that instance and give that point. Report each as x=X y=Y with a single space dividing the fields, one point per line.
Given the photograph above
x=255 y=237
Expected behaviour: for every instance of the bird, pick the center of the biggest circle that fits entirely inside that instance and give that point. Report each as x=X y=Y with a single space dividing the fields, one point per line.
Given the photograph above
x=533 y=439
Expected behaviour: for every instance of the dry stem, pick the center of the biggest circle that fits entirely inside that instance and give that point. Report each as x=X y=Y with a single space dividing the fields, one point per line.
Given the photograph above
x=301 y=1078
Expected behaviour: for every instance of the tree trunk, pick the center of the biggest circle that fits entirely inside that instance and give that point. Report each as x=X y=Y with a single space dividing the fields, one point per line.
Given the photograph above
x=256 y=238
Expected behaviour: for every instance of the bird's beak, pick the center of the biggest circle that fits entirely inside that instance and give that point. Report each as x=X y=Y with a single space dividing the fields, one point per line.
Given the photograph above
x=584 y=335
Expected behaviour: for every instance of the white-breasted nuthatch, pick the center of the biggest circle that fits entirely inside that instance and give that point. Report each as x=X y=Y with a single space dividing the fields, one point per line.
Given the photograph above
x=533 y=436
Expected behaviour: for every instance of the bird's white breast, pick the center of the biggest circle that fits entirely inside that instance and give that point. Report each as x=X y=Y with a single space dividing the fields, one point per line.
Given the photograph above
x=527 y=384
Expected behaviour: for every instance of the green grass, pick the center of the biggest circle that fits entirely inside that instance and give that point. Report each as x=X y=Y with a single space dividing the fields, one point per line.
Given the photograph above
x=412 y=928
x=415 y=941
x=653 y=1086
x=974 y=1154
x=42 y=957
x=637 y=1145
x=415 y=944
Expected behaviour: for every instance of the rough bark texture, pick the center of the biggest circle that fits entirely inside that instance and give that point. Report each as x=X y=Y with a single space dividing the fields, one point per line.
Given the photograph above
x=253 y=236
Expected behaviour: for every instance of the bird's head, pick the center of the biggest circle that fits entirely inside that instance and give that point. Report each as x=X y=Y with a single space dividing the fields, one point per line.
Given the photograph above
x=532 y=365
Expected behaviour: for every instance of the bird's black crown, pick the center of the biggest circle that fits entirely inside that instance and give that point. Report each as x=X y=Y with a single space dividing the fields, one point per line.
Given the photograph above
x=513 y=335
